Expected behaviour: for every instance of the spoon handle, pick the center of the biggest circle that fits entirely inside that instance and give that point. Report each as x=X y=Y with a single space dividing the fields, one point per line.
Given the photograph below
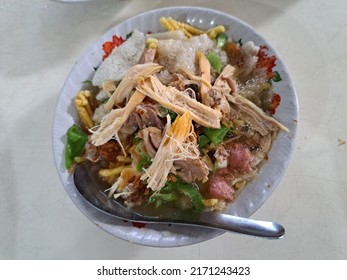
x=236 y=224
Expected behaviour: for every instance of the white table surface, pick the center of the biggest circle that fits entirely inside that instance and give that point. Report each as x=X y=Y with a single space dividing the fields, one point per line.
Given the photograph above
x=40 y=42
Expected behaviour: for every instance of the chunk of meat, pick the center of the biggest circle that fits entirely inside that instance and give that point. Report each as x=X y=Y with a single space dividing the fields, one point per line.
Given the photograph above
x=130 y=125
x=109 y=151
x=218 y=101
x=151 y=137
x=221 y=155
x=128 y=129
x=177 y=81
x=219 y=188
x=92 y=153
x=224 y=86
x=191 y=170
x=149 y=114
x=240 y=158
x=190 y=92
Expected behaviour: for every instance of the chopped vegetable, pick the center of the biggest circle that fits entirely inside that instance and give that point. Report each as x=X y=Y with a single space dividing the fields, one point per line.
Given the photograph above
x=76 y=139
x=104 y=100
x=172 y=191
x=145 y=161
x=128 y=35
x=215 y=61
x=165 y=195
x=221 y=39
x=216 y=135
x=277 y=77
x=140 y=150
x=169 y=112
x=193 y=193
x=204 y=141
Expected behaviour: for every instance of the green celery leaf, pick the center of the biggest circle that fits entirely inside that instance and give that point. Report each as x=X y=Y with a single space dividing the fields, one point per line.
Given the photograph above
x=216 y=135
x=144 y=162
x=221 y=39
x=277 y=77
x=215 y=61
x=76 y=140
x=193 y=193
x=203 y=141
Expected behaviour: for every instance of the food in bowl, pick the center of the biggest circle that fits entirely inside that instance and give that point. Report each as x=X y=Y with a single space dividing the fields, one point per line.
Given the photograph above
x=182 y=118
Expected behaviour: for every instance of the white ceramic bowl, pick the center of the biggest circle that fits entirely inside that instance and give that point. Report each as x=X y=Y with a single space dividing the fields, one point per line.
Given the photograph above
x=255 y=193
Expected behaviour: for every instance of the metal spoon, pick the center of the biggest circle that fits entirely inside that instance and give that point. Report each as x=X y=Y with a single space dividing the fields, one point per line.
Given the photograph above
x=91 y=188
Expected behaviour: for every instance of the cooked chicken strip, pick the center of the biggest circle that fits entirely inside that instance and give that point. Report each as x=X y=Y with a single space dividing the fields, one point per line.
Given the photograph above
x=180 y=103
x=260 y=121
x=125 y=87
x=113 y=121
x=171 y=148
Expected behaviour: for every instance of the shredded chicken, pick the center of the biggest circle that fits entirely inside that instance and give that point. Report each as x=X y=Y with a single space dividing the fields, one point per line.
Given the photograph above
x=127 y=175
x=259 y=120
x=226 y=81
x=113 y=121
x=205 y=71
x=174 y=100
x=265 y=143
x=125 y=87
x=149 y=114
x=174 y=146
x=223 y=88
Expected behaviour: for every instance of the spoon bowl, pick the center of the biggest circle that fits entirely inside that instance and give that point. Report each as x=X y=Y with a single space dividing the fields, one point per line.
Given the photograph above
x=91 y=188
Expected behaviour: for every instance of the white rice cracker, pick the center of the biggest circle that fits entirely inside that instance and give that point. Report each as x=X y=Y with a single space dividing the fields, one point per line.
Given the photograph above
x=114 y=67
